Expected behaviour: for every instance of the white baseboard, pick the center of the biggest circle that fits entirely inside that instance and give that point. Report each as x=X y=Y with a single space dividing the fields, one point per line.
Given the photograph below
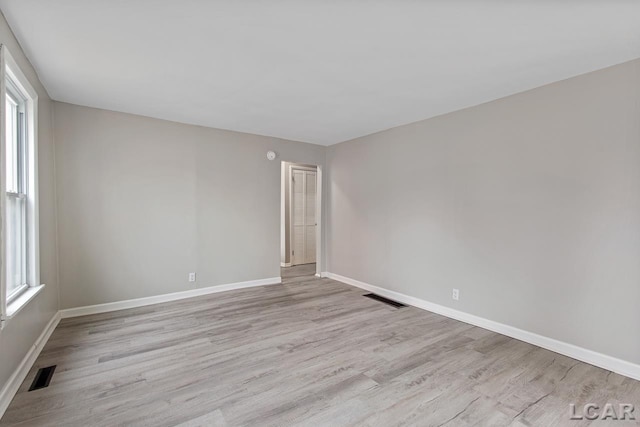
x=13 y=384
x=600 y=360
x=141 y=302
x=285 y=264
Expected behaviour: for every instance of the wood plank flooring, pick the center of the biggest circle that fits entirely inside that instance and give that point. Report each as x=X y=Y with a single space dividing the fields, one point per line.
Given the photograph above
x=309 y=352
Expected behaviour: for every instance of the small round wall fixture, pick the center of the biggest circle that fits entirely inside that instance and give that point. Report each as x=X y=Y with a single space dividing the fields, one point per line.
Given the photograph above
x=271 y=155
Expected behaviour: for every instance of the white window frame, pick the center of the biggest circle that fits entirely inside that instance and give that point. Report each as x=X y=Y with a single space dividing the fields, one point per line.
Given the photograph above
x=9 y=70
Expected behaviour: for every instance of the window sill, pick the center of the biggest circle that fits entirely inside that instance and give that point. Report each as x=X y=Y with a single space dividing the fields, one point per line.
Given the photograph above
x=19 y=303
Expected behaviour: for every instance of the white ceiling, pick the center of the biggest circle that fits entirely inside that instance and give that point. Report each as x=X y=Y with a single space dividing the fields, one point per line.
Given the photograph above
x=321 y=71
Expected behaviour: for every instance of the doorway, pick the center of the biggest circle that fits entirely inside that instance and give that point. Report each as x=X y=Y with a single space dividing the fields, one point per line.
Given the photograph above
x=300 y=219
x=303 y=216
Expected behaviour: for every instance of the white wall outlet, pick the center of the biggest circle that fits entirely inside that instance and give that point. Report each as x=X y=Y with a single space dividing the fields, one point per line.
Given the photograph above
x=192 y=277
x=456 y=294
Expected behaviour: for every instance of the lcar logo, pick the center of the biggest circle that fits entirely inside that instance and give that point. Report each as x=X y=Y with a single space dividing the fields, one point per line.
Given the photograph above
x=592 y=411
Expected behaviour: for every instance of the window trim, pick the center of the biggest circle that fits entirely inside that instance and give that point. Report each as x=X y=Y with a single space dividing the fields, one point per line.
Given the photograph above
x=17 y=193
x=9 y=69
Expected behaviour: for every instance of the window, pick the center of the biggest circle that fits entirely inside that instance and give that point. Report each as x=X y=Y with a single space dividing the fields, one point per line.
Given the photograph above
x=20 y=277
x=16 y=191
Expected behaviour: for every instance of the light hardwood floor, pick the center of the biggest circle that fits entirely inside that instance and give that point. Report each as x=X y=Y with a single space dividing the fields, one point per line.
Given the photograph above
x=310 y=352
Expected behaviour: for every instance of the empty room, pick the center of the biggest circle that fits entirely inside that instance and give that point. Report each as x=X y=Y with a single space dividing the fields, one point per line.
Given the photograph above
x=319 y=213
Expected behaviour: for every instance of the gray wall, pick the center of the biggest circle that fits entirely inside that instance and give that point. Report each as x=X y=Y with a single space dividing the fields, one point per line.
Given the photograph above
x=21 y=332
x=530 y=205
x=142 y=202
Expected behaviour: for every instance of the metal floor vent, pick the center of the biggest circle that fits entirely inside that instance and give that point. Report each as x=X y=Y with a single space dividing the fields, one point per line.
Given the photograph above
x=388 y=301
x=43 y=378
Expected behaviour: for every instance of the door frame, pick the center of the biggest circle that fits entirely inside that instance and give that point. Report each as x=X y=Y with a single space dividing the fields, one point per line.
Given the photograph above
x=291 y=234
x=319 y=220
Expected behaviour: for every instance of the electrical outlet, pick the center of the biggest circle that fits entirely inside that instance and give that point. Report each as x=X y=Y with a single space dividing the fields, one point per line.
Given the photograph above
x=192 y=277
x=456 y=294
